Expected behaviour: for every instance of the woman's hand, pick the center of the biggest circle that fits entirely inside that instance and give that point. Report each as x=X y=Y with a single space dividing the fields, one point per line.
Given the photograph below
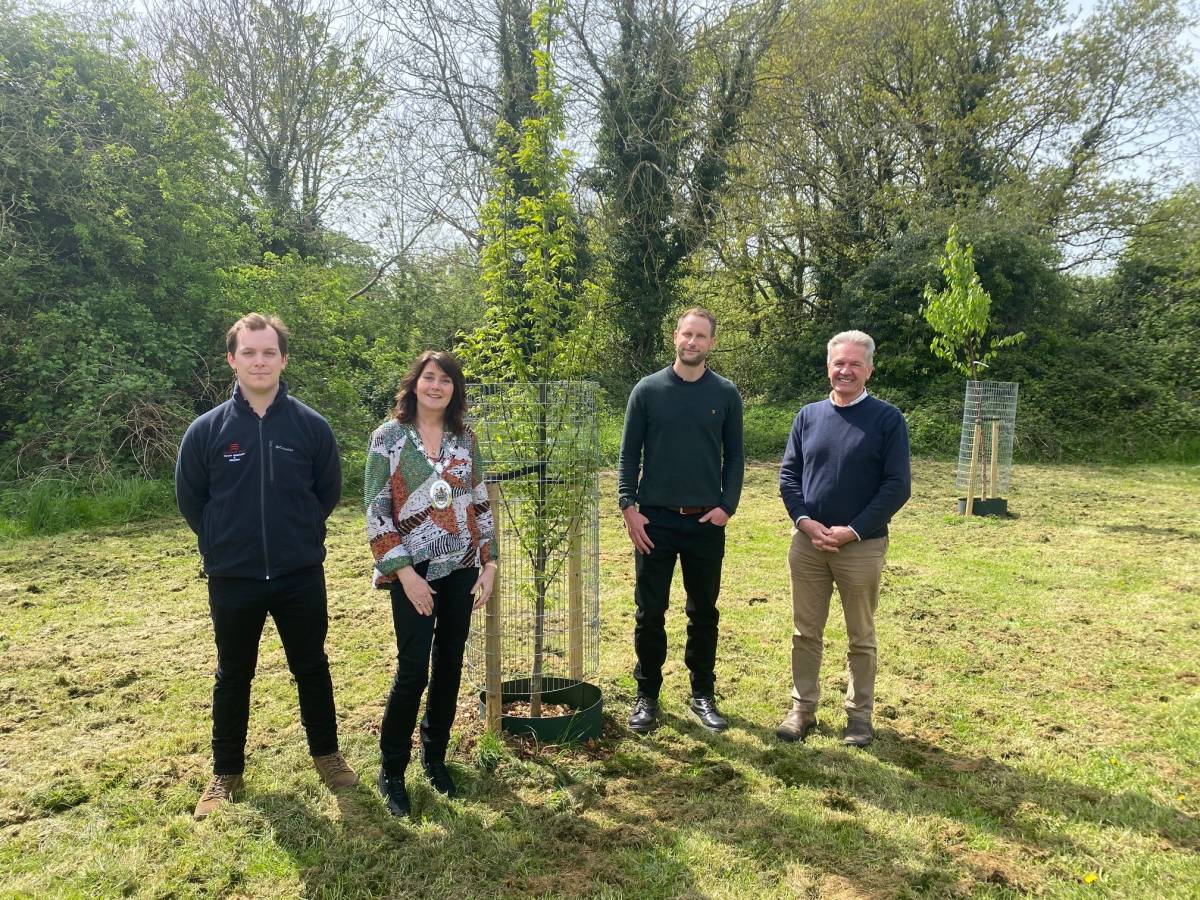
x=417 y=590
x=483 y=585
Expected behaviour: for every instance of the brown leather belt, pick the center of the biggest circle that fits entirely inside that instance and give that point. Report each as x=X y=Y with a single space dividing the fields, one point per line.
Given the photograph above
x=691 y=510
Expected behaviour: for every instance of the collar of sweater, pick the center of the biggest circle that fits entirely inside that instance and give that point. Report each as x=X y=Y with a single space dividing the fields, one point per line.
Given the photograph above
x=857 y=400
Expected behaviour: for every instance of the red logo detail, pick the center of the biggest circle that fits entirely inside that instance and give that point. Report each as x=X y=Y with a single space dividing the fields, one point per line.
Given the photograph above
x=233 y=448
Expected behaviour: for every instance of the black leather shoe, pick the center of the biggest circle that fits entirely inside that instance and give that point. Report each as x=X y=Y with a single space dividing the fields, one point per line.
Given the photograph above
x=704 y=709
x=858 y=733
x=644 y=716
x=439 y=776
x=796 y=726
x=394 y=792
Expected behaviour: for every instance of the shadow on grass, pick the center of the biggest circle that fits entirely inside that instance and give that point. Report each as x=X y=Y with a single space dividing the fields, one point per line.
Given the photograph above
x=364 y=852
x=1142 y=529
x=903 y=775
x=910 y=776
x=489 y=843
x=1001 y=794
x=661 y=808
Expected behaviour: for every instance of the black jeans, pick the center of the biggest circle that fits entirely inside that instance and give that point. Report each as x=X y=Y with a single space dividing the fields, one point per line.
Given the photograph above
x=239 y=607
x=440 y=637
x=700 y=548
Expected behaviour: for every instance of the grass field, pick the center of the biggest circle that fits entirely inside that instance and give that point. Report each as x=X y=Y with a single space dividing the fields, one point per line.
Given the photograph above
x=1038 y=710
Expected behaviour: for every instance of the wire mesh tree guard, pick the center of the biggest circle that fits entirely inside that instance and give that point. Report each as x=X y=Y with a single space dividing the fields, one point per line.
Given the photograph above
x=540 y=635
x=985 y=448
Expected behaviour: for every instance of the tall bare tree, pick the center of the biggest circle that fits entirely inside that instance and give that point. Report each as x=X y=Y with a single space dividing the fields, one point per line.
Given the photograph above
x=892 y=115
x=299 y=81
x=458 y=68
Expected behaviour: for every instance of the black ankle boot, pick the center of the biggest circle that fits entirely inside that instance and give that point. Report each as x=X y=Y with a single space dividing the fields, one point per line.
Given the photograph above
x=644 y=716
x=391 y=786
x=438 y=774
x=704 y=710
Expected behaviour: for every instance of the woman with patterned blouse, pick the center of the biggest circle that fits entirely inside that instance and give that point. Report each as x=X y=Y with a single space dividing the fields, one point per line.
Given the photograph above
x=433 y=538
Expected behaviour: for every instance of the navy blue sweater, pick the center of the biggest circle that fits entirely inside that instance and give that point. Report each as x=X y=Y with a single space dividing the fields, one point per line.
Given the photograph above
x=256 y=490
x=847 y=465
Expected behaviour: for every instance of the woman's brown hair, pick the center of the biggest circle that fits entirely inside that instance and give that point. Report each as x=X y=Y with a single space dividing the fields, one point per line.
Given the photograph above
x=406 y=398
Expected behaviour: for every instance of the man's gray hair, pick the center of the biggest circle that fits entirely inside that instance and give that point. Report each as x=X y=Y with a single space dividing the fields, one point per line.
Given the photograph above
x=861 y=338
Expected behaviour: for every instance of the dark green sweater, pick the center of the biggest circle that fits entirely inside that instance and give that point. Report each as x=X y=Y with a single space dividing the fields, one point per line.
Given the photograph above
x=686 y=437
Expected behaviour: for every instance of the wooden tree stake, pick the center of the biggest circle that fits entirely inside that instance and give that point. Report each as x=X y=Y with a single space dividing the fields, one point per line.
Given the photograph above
x=492 y=685
x=995 y=456
x=976 y=440
x=575 y=595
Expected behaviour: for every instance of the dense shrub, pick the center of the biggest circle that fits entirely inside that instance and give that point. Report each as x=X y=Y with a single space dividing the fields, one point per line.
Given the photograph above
x=118 y=217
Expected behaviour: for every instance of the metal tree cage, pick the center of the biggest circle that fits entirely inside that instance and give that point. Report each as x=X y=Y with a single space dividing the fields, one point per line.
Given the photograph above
x=985 y=448
x=541 y=456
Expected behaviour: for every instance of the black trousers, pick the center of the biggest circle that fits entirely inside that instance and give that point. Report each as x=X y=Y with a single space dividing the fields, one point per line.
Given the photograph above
x=700 y=548
x=239 y=608
x=439 y=638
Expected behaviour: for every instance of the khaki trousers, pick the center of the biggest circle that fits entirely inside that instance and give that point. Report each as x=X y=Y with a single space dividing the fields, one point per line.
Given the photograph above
x=855 y=569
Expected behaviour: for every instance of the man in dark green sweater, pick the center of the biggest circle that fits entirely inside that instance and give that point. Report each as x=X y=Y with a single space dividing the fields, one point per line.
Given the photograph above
x=683 y=431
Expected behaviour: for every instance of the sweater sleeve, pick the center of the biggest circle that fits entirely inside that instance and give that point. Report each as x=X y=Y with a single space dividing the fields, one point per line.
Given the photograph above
x=791 y=472
x=191 y=476
x=633 y=438
x=733 y=457
x=386 y=545
x=895 y=483
x=485 y=516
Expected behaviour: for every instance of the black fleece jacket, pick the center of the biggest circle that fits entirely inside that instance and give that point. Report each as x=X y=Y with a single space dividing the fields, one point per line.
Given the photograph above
x=257 y=491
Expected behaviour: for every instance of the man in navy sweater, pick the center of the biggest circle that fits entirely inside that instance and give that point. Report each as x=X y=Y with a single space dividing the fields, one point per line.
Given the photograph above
x=845 y=473
x=256 y=479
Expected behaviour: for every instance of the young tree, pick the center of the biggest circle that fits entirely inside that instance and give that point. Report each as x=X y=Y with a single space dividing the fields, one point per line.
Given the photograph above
x=959 y=314
x=532 y=332
x=533 y=294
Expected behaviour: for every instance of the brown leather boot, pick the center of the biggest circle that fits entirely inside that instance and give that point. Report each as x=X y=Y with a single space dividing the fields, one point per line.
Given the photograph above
x=858 y=733
x=335 y=771
x=796 y=726
x=220 y=790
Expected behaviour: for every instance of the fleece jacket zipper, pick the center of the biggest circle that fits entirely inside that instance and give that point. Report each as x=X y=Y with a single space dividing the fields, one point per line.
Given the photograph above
x=262 y=497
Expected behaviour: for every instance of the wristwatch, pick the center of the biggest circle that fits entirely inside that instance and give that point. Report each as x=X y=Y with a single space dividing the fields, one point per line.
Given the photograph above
x=625 y=502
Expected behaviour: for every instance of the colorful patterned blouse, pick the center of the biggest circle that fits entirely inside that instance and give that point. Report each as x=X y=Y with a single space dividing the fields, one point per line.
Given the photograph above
x=403 y=525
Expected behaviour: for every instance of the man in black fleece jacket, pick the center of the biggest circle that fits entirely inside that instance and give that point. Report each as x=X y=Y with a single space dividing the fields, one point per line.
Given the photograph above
x=256 y=479
x=683 y=431
x=845 y=473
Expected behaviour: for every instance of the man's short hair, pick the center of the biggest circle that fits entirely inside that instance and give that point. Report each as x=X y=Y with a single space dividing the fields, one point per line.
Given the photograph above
x=861 y=338
x=256 y=322
x=703 y=314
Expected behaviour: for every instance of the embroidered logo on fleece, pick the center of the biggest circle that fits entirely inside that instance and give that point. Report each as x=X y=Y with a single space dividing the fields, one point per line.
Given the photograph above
x=234 y=453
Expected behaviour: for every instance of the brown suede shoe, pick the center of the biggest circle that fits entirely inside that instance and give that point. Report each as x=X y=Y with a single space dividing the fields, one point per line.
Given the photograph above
x=335 y=771
x=858 y=733
x=796 y=726
x=220 y=790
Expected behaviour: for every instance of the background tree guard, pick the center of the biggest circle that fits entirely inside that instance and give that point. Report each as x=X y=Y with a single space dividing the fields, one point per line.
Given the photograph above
x=985 y=447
